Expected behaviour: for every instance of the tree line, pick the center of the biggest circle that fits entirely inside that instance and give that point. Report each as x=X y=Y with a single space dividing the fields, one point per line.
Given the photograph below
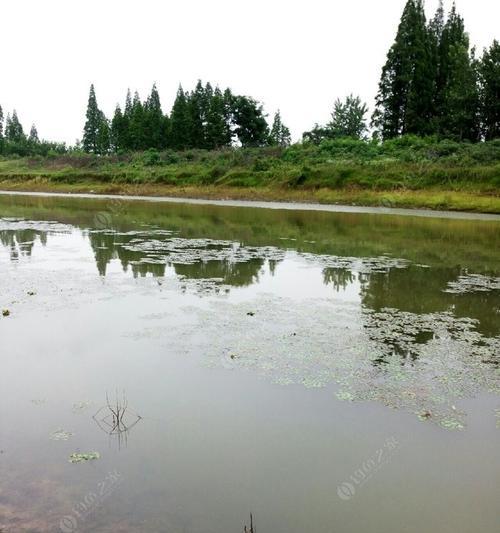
x=13 y=139
x=204 y=118
x=432 y=84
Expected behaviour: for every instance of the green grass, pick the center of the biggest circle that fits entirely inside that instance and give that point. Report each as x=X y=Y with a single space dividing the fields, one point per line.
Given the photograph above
x=407 y=172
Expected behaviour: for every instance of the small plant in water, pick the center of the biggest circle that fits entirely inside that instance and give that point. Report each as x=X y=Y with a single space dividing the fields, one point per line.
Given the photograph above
x=117 y=418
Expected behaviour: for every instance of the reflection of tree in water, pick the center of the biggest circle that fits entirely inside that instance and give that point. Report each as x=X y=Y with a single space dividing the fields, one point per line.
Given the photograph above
x=273 y=263
x=21 y=242
x=340 y=278
x=105 y=249
x=108 y=246
x=422 y=291
x=413 y=289
x=240 y=274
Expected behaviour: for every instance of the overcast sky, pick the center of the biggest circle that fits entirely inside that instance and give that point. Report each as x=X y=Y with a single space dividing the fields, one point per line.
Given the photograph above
x=294 y=55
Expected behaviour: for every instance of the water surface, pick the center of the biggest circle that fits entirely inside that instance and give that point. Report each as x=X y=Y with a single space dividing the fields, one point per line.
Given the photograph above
x=328 y=372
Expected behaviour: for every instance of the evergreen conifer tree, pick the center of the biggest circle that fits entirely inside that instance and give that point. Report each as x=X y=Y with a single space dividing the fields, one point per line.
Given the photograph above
x=93 y=122
x=13 y=128
x=404 y=102
x=103 y=135
x=119 y=131
x=489 y=72
x=180 y=122
x=155 y=127
x=280 y=134
x=218 y=130
x=33 y=136
x=137 y=125
x=457 y=85
x=436 y=27
x=198 y=109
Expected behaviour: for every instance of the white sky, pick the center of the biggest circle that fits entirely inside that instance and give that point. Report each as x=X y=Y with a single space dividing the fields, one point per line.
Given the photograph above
x=295 y=55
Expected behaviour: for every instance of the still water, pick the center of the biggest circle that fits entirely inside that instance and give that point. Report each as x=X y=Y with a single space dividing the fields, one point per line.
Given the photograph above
x=326 y=372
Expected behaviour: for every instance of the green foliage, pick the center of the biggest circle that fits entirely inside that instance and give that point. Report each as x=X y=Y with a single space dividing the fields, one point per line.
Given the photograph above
x=180 y=122
x=249 y=121
x=218 y=127
x=33 y=136
x=407 y=163
x=429 y=84
x=404 y=100
x=119 y=131
x=13 y=129
x=155 y=123
x=96 y=134
x=151 y=157
x=280 y=134
x=457 y=98
x=489 y=75
x=348 y=118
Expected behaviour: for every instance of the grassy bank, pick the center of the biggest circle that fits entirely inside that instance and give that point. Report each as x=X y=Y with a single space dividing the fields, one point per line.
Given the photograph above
x=408 y=172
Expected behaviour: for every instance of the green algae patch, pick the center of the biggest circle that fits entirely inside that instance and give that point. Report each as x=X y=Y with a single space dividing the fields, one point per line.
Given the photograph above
x=60 y=434
x=83 y=457
x=473 y=283
x=420 y=363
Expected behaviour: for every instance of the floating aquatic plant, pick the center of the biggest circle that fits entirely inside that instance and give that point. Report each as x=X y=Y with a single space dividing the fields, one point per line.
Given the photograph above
x=82 y=457
x=60 y=434
x=473 y=283
x=81 y=406
x=421 y=363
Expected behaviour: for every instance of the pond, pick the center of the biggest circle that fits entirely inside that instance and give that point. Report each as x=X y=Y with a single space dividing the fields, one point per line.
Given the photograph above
x=173 y=367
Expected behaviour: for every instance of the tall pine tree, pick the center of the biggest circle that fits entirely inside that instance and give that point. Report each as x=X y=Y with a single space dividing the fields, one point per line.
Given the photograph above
x=489 y=72
x=103 y=135
x=279 y=134
x=457 y=97
x=156 y=126
x=197 y=106
x=180 y=122
x=404 y=102
x=13 y=128
x=119 y=131
x=218 y=129
x=137 y=126
x=33 y=136
x=96 y=128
